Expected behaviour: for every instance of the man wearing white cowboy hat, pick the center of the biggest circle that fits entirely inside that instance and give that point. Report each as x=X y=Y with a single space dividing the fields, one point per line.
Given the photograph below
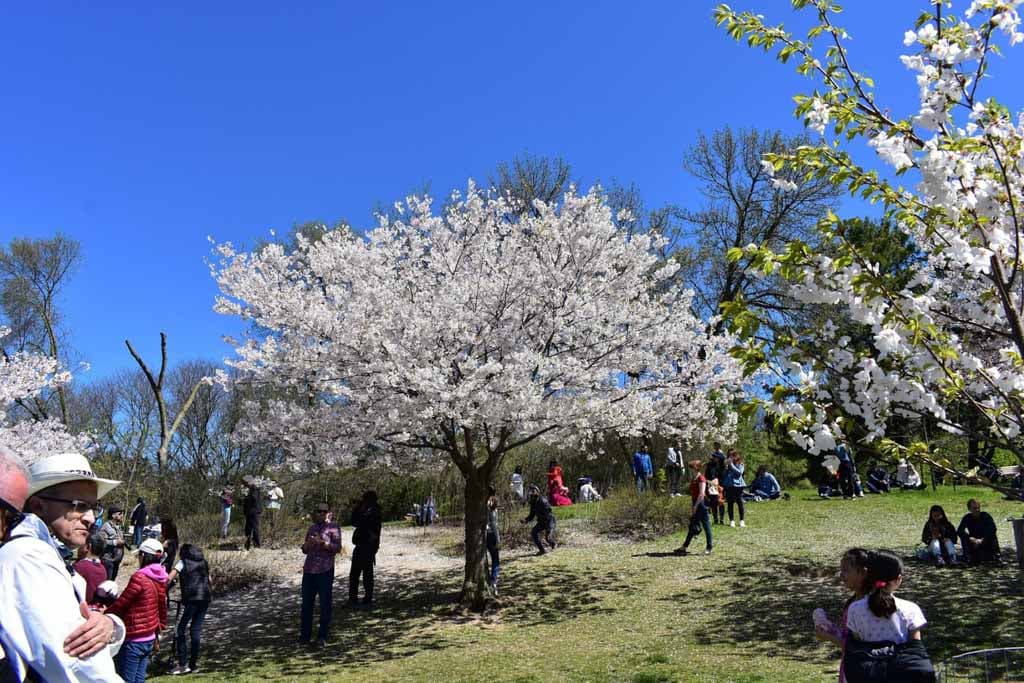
x=43 y=600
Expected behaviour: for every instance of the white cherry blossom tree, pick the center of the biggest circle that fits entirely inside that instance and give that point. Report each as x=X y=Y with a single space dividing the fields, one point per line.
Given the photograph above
x=948 y=342
x=23 y=376
x=466 y=333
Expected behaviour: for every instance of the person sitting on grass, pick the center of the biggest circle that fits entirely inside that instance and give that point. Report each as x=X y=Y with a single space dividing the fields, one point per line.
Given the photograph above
x=940 y=537
x=143 y=607
x=765 y=486
x=698 y=510
x=878 y=479
x=194 y=573
x=977 y=533
x=540 y=509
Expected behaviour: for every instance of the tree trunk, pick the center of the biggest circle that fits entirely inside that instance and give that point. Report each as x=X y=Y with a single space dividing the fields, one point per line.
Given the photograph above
x=475 y=589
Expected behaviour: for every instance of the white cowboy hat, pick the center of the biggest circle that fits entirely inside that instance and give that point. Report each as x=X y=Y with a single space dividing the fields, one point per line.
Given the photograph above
x=65 y=467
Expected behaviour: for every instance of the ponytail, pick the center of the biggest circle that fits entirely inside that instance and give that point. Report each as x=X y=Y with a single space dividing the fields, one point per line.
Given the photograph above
x=883 y=568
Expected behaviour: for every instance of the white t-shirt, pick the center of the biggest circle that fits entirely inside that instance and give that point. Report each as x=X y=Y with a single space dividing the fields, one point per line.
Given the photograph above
x=897 y=627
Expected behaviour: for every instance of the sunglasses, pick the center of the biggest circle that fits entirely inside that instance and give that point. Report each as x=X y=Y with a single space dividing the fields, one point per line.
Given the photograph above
x=78 y=506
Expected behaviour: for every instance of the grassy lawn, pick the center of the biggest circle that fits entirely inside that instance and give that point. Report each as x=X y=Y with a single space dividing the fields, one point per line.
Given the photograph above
x=639 y=612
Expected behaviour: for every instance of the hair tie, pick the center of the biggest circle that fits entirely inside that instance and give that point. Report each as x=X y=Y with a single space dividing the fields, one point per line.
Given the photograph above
x=880 y=584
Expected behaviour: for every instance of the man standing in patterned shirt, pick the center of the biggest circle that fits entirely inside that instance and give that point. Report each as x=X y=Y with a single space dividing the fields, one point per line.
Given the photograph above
x=322 y=544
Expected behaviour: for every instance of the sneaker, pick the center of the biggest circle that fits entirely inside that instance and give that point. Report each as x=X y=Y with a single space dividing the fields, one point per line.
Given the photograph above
x=743 y=524
x=321 y=644
x=193 y=668
x=683 y=551
x=708 y=551
x=732 y=523
x=940 y=562
x=541 y=552
x=179 y=670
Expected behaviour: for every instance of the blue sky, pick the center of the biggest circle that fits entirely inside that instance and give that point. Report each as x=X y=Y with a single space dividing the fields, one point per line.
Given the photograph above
x=140 y=130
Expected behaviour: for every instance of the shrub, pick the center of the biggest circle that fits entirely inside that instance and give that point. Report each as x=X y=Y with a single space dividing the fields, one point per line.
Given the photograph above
x=642 y=515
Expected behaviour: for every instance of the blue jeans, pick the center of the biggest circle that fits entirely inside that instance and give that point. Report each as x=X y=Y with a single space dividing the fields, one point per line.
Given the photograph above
x=641 y=483
x=492 y=550
x=549 y=532
x=314 y=585
x=193 y=611
x=698 y=520
x=132 y=660
x=137 y=535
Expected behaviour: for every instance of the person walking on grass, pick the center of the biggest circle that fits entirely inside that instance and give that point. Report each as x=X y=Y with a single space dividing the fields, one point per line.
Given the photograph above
x=732 y=480
x=853 y=569
x=366 y=520
x=540 y=510
x=698 y=510
x=321 y=545
x=194 y=573
x=493 y=539
x=143 y=607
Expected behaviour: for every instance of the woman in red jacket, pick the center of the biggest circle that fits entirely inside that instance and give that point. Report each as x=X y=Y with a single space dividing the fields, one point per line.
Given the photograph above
x=143 y=608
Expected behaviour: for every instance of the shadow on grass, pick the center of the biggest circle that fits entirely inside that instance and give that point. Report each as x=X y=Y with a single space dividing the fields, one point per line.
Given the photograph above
x=768 y=606
x=258 y=627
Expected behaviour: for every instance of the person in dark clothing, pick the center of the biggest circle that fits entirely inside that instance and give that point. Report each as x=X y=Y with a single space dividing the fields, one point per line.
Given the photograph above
x=138 y=518
x=366 y=539
x=847 y=470
x=169 y=537
x=194 y=573
x=540 y=509
x=977 y=533
x=878 y=480
x=252 y=508
x=940 y=537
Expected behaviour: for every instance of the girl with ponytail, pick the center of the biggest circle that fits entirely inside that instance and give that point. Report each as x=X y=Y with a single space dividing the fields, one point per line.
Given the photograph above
x=885 y=631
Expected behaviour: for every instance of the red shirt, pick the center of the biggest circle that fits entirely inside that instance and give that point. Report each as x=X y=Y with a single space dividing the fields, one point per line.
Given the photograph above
x=94 y=574
x=695 y=487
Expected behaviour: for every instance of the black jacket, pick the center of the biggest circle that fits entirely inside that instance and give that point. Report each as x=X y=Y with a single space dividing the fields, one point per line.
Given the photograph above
x=541 y=509
x=366 y=520
x=139 y=515
x=194 y=577
x=887 y=663
x=252 y=505
x=984 y=527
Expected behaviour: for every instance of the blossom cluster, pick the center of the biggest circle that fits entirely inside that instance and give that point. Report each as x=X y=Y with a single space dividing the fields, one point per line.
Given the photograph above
x=477 y=327
x=951 y=335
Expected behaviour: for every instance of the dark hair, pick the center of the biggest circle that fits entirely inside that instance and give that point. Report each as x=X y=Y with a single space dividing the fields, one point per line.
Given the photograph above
x=858 y=558
x=370 y=497
x=762 y=469
x=168 y=529
x=553 y=463
x=97 y=544
x=192 y=552
x=939 y=508
x=973 y=501
x=735 y=455
x=146 y=559
x=518 y=469
x=883 y=567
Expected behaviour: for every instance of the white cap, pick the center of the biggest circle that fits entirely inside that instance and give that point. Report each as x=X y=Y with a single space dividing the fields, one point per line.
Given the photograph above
x=59 y=469
x=150 y=546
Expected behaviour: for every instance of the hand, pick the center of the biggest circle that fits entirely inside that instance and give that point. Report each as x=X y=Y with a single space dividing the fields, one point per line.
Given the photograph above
x=976 y=541
x=90 y=637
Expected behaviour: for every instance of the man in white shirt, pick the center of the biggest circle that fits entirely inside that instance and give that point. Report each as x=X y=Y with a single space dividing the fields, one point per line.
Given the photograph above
x=42 y=600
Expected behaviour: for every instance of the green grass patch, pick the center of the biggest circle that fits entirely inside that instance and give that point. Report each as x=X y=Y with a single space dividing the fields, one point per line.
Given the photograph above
x=617 y=611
